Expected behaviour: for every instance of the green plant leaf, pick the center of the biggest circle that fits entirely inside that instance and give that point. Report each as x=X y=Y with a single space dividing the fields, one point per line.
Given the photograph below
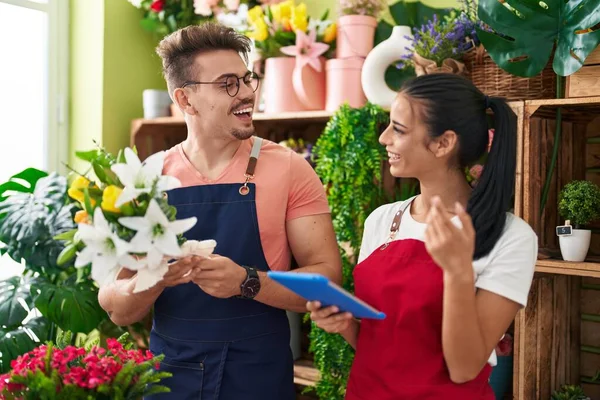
x=24 y=182
x=525 y=35
x=13 y=291
x=73 y=306
x=15 y=341
x=415 y=13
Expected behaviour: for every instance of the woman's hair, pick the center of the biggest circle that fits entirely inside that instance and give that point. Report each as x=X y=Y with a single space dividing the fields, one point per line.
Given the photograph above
x=451 y=102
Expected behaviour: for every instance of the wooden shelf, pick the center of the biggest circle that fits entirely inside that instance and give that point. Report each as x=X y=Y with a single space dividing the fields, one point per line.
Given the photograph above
x=580 y=109
x=301 y=116
x=561 y=267
x=305 y=374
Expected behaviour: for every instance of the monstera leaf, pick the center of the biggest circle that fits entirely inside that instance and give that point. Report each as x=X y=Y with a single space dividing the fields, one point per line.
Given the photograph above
x=526 y=31
x=15 y=301
x=17 y=341
x=72 y=305
x=31 y=215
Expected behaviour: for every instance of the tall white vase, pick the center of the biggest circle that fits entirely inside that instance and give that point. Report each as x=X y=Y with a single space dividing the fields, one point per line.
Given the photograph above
x=378 y=60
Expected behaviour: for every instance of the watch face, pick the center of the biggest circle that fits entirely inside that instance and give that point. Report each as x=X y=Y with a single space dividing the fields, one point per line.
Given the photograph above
x=251 y=288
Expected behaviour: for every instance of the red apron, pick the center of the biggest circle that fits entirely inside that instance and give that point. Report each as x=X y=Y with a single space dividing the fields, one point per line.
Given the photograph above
x=401 y=356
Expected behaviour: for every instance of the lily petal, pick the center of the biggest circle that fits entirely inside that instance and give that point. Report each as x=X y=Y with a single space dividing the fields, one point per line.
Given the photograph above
x=154 y=258
x=167 y=182
x=155 y=215
x=129 y=193
x=121 y=246
x=290 y=50
x=131 y=263
x=125 y=173
x=84 y=257
x=136 y=223
x=88 y=233
x=147 y=278
x=152 y=166
x=182 y=225
x=140 y=243
x=132 y=159
x=100 y=222
x=167 y=244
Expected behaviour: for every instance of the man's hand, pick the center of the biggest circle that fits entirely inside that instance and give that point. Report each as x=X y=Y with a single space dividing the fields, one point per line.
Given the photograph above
x=219 y=276
x=181 y=271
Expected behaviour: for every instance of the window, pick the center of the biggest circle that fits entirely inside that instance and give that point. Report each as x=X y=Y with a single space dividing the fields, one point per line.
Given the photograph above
x=33 y=89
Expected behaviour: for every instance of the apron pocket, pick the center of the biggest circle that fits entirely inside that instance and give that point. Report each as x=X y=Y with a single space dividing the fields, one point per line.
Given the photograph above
x=187 y=380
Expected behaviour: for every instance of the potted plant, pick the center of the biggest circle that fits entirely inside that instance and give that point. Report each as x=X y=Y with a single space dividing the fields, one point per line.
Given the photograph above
x=356 y=27
x=579 y=204
x=72 y=372
x=282 y=30
x=569 y=392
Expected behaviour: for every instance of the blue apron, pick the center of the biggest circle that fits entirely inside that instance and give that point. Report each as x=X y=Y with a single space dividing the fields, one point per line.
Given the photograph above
x=222 y=349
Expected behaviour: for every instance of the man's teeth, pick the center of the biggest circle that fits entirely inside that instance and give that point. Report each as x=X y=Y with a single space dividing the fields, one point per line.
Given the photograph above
x=393 y=156
x=243 y=111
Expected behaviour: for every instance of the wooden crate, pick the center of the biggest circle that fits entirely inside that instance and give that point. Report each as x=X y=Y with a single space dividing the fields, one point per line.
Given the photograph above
x=586 y=81
x=549 y=332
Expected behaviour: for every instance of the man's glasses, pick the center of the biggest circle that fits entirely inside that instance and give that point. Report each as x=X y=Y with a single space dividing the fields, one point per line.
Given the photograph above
x=231 y=83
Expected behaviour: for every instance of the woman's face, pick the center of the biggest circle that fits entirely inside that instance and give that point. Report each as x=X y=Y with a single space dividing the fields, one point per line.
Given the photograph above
x=412 y=152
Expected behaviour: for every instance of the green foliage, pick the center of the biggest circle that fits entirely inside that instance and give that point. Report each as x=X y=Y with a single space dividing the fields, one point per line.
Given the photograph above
x=21 y=338
x=579 y=202
x=526 y=32
x=348 y=160
x=569 y=392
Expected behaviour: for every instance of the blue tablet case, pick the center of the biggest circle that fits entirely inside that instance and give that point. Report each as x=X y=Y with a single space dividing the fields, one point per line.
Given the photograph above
x=313 y=287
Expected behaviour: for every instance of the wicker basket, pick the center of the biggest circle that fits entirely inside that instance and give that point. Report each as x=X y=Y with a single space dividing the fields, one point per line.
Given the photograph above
x=495 y=82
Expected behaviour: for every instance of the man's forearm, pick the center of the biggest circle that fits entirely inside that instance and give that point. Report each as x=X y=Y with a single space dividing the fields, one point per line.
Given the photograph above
x=276 y=295
x=125 y=307
x=462 y=337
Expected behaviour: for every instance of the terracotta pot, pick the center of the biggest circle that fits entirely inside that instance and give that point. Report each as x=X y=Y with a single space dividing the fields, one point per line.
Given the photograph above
x=355 y=35
x=344 y=84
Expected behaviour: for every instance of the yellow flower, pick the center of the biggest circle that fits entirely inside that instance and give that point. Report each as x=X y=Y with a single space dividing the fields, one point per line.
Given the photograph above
x=76 y=189
x=254 y=14
x=81 y=217
x=299 y=20
x=282 y=11
x=260 y=31
x=330 y=33
x=109 y=198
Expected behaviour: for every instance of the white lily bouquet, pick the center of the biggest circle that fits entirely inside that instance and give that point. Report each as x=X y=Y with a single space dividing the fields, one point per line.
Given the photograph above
x=125 y=221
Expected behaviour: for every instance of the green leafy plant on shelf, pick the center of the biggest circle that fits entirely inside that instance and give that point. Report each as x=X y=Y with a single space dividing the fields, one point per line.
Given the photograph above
x=48 y=297
x=349 y=161
x=579 y=202
x=569 y=392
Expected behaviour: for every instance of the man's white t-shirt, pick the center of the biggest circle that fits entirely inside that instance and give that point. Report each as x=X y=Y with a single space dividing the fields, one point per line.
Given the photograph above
x=507 y=270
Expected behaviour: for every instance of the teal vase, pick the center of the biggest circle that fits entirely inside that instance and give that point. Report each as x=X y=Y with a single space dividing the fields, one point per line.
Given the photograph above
x=501 y=377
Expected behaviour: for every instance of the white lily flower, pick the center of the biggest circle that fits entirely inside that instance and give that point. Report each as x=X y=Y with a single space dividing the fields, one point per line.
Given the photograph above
x=103 y=249
x=138 y=177
x=156 y=235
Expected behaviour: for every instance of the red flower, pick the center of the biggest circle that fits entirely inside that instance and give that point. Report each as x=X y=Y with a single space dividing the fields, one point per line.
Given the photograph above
x=157 y=5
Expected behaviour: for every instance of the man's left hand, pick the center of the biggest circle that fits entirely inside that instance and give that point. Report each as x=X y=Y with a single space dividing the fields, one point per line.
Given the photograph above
x=219 y=276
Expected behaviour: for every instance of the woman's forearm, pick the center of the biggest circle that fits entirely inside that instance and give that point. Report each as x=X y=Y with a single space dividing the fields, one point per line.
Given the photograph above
x=351 y=334
x=462 y=338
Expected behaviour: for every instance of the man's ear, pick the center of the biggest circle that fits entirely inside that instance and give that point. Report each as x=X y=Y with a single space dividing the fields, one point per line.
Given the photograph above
x=445 y=144
x=181 y=99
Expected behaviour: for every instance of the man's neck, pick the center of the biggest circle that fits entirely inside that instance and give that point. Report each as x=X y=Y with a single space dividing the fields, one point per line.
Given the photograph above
x=210 y=155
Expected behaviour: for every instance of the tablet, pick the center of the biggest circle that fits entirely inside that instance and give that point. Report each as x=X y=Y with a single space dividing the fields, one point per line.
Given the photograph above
x=316 y=287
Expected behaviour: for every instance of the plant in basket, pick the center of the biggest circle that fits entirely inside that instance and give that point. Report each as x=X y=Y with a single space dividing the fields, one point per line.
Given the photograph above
x=66 y=372
x=125 y=219
x=579 y=204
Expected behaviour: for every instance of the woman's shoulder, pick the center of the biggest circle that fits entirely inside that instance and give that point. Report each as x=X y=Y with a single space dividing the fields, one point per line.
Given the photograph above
x=386 y=212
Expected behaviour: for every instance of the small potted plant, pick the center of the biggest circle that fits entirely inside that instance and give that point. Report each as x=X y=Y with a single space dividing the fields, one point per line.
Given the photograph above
x=579 y=204
x=569 y=392
x=356 y=27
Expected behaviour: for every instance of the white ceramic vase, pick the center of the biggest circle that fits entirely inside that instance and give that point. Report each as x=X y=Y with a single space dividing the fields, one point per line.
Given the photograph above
x=575 y=247
x=378 y=60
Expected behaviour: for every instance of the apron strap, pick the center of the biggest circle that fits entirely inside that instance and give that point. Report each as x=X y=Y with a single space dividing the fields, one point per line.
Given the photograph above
x=396 y=222
x=244 y=189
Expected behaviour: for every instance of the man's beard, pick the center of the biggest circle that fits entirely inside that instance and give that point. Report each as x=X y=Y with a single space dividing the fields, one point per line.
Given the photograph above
x=243 y=134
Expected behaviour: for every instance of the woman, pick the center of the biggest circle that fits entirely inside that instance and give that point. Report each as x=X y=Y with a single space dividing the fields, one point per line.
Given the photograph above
x=449 y=267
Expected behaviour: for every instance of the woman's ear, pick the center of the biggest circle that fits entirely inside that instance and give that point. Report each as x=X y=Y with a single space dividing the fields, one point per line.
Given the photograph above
x=444 y=145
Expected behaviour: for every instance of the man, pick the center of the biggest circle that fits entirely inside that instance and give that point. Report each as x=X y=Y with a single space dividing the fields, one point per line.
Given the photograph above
x=223 y=327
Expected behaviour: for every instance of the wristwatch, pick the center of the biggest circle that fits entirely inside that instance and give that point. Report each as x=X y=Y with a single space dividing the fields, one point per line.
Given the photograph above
x=251 y=285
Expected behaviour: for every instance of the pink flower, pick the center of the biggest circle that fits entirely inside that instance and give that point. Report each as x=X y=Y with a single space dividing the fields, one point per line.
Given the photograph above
x=157 y=5
x=232 y=5
x=307 y=50
x=505 y=346
x=490 y=139
x=204 y=7
x=476 y=171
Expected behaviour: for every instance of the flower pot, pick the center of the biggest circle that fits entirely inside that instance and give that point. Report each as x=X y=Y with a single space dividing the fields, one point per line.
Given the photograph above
x=343 y=83
x=424 y=66
x=309 y=85
x=379 y=59
x=575 y=247
x=501 y=377
x=355 y=35
x=157 y=103
x=278 y=90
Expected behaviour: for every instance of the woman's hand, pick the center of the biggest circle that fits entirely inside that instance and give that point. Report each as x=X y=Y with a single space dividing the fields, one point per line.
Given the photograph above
x=451 y=247
x=329 y=318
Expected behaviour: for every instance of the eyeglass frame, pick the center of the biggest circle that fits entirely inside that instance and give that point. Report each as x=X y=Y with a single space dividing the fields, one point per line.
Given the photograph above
x=238 y=85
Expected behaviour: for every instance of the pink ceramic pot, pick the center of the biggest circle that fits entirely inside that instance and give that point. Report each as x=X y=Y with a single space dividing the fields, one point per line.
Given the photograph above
x=355 y=35
x=278 y=89
x=344 y=83
x=310 y=86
